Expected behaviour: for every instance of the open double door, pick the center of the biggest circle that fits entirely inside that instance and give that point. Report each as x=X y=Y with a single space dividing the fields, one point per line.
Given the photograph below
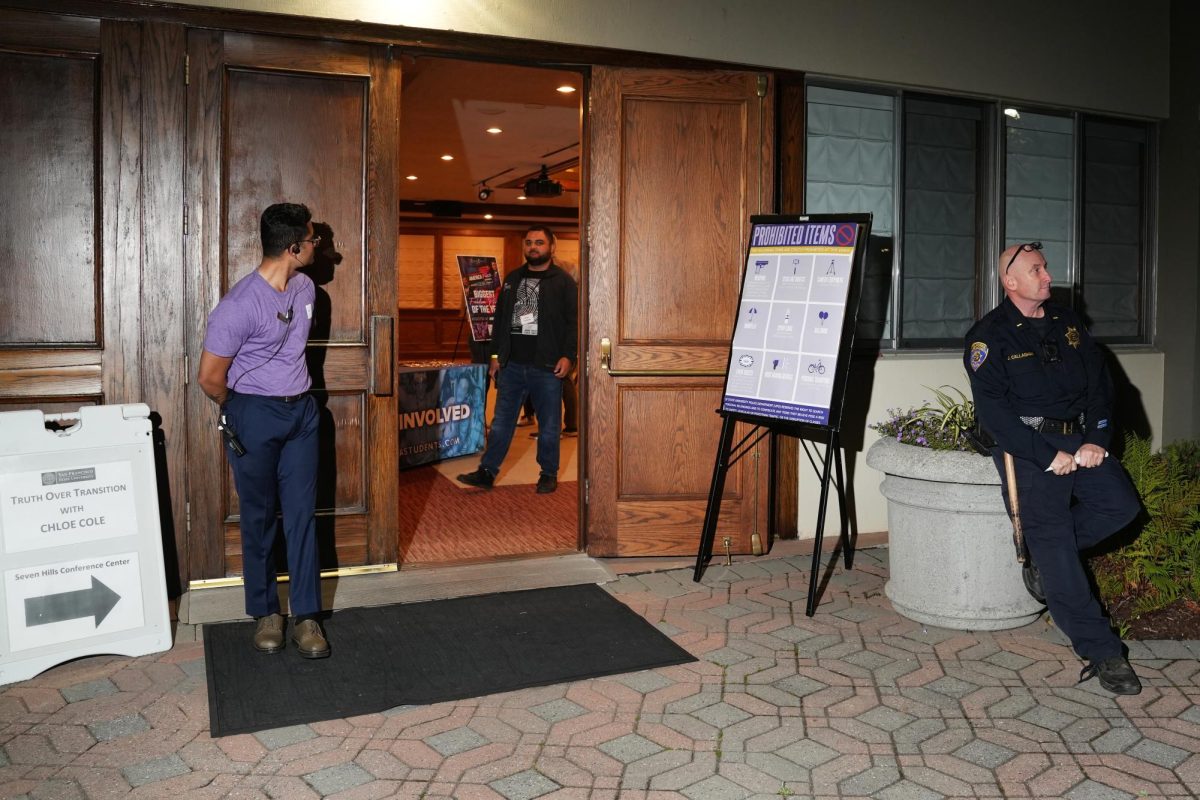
x=677 y=162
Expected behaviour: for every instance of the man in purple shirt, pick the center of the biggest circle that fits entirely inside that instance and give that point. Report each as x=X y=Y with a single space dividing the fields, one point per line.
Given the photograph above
x=253 y=367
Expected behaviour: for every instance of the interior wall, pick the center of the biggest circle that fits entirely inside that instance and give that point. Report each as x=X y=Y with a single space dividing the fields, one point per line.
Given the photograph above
x=1098 y=54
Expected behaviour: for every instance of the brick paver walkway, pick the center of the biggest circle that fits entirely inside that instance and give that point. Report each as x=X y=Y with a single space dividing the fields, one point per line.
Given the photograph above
x=855 y=702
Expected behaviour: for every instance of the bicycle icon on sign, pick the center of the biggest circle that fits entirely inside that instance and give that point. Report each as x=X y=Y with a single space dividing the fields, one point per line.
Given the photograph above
x=818 y=368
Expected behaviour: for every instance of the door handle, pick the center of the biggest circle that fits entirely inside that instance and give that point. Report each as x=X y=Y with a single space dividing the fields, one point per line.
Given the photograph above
x=606 y=365
x=382 y=363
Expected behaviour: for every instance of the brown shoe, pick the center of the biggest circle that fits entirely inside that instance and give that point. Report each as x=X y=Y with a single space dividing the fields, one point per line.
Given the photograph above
x=268 y=635
x=309 y=640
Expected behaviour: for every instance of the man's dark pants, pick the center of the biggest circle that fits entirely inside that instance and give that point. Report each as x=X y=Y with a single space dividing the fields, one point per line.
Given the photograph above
x=513 y=383
x=279 y=470
x=1056 y=531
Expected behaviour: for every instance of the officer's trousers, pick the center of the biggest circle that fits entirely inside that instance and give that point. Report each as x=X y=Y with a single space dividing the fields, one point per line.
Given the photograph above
x=278 y=471
x=1055 y=530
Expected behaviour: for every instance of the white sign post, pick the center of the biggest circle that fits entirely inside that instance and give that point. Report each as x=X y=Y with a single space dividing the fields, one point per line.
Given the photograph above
x=81 y=562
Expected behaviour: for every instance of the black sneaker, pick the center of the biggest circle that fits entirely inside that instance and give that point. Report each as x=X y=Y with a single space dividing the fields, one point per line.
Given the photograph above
x=1033 y=582
x=546 y=483
x=480 y=478
x=1115 y=674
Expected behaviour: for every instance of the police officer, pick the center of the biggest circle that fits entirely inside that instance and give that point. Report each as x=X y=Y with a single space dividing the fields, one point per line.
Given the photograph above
x=1043 y=392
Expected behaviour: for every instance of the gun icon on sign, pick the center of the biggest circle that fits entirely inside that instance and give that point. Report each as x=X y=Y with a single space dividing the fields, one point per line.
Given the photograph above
x=758 y=266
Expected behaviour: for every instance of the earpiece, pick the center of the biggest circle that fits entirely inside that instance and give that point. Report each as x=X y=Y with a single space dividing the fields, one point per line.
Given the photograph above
x=295 y=249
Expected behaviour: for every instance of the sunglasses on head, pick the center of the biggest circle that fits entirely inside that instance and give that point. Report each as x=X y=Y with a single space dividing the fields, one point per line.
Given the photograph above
x=1028 y=247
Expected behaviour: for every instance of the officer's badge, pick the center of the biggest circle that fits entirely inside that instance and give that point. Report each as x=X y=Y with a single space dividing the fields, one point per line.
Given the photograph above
x=1073 y=336
x=979 y=353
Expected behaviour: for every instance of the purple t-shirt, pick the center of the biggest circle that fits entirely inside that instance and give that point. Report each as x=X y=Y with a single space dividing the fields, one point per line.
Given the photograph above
x=268 y=352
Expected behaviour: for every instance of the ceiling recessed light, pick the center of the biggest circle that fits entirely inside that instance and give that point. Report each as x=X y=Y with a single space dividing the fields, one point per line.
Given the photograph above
x=521 y=197
x=565 y=89
x=487 y=216
x=410 y=177
x=494 y=129
x=447 y=157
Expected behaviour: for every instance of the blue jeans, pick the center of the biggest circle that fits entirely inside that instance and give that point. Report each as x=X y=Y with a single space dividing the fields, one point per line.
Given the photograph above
x=513 y=383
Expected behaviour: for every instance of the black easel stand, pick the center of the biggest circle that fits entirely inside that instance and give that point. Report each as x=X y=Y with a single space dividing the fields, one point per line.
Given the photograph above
x=728 y=455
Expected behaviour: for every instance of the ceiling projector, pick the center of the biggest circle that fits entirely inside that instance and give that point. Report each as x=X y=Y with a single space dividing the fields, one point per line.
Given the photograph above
x=542 y=186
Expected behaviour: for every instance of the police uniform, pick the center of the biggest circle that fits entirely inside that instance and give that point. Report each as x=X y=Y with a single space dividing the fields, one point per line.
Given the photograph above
x=1041 y=386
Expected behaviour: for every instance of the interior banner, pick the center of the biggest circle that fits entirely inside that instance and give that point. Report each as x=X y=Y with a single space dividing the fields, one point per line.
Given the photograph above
x=481 y=284
x=441 y=412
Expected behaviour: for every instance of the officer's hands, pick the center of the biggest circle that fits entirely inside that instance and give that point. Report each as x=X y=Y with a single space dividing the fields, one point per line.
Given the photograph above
x=493 y=368
x=563 y=368
x=1063 y=464
x=1090 y=455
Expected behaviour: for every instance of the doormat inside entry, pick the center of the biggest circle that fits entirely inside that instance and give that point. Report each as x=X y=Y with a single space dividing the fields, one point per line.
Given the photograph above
x=420 y=653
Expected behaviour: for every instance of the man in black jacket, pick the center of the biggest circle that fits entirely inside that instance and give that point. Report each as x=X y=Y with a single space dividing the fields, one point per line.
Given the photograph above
x=1043 y=392
x=534 y=343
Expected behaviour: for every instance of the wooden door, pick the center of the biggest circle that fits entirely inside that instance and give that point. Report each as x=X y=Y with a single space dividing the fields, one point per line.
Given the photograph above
x=679 y=161
x=272 y=120
x=65 y=238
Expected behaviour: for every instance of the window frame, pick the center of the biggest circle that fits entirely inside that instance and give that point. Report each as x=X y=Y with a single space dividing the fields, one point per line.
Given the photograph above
x=991 y=199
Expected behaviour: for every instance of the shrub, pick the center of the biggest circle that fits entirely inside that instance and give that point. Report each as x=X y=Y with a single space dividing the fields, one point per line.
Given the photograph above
x=1163 y=563
x=943 y=426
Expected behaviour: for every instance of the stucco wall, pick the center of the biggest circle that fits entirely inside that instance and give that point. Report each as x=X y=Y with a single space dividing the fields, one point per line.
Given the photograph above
x=1094 y=54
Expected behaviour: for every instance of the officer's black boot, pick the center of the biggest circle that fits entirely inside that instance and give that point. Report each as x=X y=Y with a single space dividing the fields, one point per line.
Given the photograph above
x=1033 y=581
x=1115 y=674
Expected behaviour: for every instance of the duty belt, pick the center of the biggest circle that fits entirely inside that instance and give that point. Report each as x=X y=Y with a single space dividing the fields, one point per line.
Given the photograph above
x=1061 y=426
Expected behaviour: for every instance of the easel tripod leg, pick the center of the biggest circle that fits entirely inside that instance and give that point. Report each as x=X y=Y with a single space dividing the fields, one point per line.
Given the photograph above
x=847 y=545
x=716 y=489
x=830 y=448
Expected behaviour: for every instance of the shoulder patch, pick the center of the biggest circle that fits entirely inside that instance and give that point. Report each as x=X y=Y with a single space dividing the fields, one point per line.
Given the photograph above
x=979 y=354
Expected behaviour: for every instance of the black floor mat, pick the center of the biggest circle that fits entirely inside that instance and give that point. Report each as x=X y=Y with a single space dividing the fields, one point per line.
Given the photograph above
x=420 y=653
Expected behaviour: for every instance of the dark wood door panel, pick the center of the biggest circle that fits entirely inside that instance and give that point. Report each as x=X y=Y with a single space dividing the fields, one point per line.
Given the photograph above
x=59 y=108
x=325 y=168
x=273 y=120
x=50 y=32
x=49 y=133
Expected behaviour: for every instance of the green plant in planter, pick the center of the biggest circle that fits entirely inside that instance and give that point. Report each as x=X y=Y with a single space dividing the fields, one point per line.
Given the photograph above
x=1163 y=563
x=945 y=424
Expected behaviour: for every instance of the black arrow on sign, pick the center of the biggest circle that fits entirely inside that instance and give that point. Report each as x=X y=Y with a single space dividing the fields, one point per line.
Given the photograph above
x=94 y=602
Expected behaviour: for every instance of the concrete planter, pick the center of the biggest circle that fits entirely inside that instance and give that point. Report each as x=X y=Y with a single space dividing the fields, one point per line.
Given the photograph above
x=949 y=540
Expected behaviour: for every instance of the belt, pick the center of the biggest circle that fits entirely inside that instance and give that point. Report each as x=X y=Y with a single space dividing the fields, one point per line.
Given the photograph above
x=1059 y=426
x=287 y=398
